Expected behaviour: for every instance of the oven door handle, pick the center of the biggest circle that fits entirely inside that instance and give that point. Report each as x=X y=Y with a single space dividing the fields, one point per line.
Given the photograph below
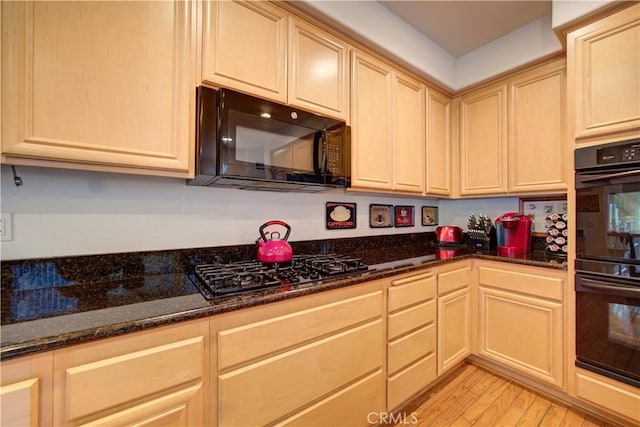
x=620 y=290
x=627 y=174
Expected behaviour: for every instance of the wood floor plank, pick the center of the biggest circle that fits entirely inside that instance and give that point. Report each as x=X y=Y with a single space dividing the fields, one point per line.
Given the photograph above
x=572 y=419
x=534 y=413
x=517 y=409
x=477 y=397
x=451 y=395
x=485 y=401
x=497 y=409
x=555 y=415
x=445 y=407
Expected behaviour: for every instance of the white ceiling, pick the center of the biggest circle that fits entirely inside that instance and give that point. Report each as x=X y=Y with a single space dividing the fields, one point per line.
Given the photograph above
x=460 y=27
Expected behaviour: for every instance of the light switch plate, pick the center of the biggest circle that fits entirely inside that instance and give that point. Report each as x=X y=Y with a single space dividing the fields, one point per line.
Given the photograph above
x=6 y=227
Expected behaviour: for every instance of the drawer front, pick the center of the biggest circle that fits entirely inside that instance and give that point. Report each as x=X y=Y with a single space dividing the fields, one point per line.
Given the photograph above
x=453 y=280
x=248 y=342
x=410 y=348
x=131 y=376
x=19 y=403
x=411 y=318
x=410 y=381
x=411 y=290
x=534 y=283
x=617 y=399
x=267 y=390
x=348 y=407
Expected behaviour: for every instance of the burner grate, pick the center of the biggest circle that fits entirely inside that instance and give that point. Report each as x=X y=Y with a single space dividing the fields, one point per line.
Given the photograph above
x=220 y=279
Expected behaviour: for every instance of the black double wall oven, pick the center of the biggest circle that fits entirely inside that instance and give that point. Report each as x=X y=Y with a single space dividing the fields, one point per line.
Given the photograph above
x=608 y=260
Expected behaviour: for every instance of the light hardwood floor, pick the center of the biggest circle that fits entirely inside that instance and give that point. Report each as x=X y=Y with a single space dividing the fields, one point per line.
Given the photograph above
x=478 y=397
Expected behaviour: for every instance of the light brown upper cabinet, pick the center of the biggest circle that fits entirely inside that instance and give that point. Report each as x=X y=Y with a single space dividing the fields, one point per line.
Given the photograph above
x=483 y=141
x=245 y=47
x=99 y=85
x=536 y=123
x=387 y=136
x=512 y=134
x=318 y=70
x=260 y=49
x=438 y=144
x=604 y=75
x=408 y=134
x=371 y=132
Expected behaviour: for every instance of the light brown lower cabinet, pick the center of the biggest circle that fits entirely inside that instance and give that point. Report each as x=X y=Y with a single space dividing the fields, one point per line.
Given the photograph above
x=332 y=358
x=520 y=319
x=315 y=360
x=154 y=377
x=26 y=391
x=608 y=395
x=411 y=336
x=454 y=315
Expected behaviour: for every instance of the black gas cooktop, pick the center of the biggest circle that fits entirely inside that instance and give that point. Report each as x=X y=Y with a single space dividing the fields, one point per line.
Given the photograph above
x=219 y=279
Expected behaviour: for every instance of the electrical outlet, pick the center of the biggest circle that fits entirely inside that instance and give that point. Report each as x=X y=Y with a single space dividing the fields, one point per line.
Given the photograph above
x=6 y=227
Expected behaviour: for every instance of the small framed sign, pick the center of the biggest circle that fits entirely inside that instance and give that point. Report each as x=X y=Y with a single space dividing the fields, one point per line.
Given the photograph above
x=538 y=208
x=340 y=215
x=403 y=216
x=429 y=215
x=380 y=216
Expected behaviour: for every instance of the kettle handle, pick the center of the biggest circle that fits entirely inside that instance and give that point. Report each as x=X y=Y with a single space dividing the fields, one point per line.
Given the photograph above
x=275 y=222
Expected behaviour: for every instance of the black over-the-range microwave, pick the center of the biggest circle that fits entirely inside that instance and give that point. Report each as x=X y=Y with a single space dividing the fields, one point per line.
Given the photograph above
x=251 y=143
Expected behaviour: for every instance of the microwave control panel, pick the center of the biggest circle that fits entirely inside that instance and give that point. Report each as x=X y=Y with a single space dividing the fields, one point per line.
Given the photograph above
x=334 y=158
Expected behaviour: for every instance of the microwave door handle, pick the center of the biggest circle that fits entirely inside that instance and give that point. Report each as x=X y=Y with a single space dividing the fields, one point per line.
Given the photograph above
x=606 y=177
x=318 y=157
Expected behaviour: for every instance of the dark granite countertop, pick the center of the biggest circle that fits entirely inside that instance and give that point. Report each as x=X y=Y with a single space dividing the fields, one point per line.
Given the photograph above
x=51 y=303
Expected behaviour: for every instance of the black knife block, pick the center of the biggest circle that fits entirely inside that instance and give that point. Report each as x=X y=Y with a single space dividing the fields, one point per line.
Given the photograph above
x=480 y=241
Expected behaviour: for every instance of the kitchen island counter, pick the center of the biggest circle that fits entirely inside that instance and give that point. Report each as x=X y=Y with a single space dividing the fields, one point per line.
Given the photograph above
x=52 y=303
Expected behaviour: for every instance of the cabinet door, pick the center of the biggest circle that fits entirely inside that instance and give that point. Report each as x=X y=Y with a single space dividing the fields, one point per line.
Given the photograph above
x=371 y=133
x=26 y=391
x=536 y=130
x=438 y=144
x=244 y=47
x=155 y=377
x=318 y=70
x=522 y=332
x=604 y=70
x=408 y=134
x=483 y=141
x=454 y=316
x=101 y=83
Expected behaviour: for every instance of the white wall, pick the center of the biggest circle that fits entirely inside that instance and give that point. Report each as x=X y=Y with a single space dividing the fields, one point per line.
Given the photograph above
x=566 y=11
x=63 y=212
x=526 y=44
x=369 y=21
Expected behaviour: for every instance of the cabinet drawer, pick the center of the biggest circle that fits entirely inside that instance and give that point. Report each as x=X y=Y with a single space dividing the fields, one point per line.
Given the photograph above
x=625 y=401
x=126 y=378
x=348 y=407
x=410 y=381
x=247 y=342
x=412 y=318
x=411 y=290
x=524 y=282
x=453 y=280
x=410 y=348
x=267 y=390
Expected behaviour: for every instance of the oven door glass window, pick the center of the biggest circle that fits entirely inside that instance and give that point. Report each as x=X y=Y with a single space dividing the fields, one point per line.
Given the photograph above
x=608 y=222
x=608 y=328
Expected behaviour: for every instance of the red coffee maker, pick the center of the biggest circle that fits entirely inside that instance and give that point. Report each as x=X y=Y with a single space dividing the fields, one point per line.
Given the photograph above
x=514 y=234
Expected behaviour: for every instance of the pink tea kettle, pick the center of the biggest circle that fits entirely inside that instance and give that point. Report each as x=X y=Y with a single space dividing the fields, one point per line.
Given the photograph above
x=274 y=249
